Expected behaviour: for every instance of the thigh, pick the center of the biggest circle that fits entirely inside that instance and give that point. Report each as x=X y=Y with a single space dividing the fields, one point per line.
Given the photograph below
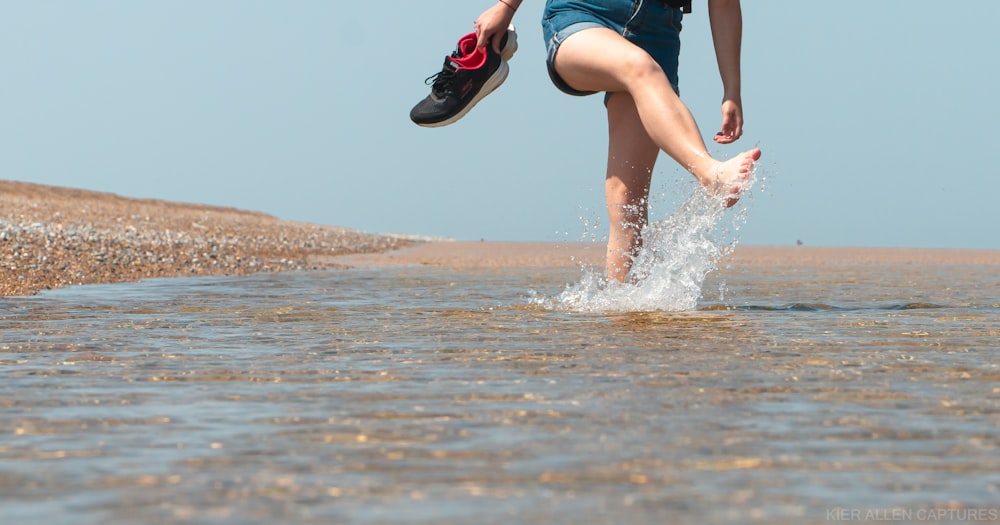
x=599 y=59
x=650 y=25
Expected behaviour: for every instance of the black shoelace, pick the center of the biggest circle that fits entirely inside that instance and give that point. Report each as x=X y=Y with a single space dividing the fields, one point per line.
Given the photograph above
x=441 y=81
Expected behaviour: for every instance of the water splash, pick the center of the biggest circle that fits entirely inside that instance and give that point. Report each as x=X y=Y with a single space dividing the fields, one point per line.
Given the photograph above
x=668 y=274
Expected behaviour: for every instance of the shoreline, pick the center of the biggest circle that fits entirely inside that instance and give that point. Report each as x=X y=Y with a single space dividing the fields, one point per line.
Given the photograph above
x=53 y=237
x=460 y=255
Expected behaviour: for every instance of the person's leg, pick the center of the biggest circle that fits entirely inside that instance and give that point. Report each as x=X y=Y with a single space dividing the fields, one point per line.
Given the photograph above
x=599 y=59
x=631 y=157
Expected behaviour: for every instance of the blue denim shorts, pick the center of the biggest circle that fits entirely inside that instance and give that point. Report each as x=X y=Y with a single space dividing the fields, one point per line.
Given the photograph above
x=652 y=25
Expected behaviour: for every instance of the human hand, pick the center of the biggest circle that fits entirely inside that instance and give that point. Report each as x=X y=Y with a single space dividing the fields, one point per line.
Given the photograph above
x=732 y=122
x=492 y=24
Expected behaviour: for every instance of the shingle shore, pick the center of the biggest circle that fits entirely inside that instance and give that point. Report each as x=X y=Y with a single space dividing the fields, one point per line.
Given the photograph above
x=52 y=237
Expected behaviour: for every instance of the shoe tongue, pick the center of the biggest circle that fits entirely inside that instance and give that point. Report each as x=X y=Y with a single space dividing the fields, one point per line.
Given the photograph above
x=450 y=63
x=454 y=62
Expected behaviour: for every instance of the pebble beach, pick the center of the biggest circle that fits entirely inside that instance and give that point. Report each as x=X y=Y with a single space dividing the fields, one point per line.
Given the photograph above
x=53 y=237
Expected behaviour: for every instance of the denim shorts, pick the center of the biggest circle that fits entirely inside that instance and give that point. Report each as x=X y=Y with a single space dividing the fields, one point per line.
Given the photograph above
x=652 y=25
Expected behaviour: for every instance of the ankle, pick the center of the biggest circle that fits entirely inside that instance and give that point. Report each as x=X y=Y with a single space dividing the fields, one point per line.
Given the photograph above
x=707 y=171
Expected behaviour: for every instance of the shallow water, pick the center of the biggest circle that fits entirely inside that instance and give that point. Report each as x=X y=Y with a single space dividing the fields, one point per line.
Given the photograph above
x=419 y=395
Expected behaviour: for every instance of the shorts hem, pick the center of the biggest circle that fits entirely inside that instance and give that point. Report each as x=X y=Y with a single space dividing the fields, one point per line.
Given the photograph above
x=553 y=47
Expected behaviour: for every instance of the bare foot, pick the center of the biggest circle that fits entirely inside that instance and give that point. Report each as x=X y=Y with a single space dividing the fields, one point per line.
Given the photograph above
x=729 y=178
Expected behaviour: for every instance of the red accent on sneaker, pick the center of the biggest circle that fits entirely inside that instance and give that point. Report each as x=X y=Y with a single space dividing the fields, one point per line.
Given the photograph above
x=475 y=60
x=467 y=44
x=471 y=58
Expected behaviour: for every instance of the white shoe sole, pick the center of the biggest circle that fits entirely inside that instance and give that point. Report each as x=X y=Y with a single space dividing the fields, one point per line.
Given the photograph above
x=511 y=47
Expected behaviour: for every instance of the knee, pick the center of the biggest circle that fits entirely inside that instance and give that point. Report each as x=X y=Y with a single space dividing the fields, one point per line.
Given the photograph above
x=629 y=187
x=628 y=201
x=617 y=192
x=638 y=67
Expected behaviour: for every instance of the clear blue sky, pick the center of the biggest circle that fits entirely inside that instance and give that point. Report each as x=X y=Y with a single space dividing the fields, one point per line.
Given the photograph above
x=878 y=120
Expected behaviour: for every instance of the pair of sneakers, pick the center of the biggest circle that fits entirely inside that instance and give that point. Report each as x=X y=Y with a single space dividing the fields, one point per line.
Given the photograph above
x=468 y=75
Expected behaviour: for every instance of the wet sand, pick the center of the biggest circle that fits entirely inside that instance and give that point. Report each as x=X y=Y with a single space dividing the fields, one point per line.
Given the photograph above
x=462 y=255
x=53 y=237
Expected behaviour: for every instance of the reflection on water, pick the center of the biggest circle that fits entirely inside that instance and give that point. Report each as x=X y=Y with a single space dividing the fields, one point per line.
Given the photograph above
x=426 y=396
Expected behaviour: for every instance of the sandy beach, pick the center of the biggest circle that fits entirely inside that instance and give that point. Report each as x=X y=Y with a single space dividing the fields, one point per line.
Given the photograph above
x=52 y=237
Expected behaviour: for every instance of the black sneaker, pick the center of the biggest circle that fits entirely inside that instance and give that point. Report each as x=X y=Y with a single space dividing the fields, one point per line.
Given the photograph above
x=468 y=75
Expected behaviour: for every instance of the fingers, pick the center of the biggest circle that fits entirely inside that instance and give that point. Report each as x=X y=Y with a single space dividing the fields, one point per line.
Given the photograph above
x=728 y=136
x=732 y=121
x=732 y=130
x=722 y=138
x=484 y=37
x=491 y=25
x=481 y=39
